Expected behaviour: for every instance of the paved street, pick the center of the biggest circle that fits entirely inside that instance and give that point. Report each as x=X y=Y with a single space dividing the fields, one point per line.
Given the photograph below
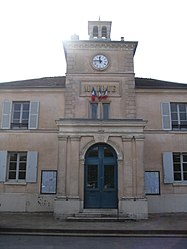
x=59 y=242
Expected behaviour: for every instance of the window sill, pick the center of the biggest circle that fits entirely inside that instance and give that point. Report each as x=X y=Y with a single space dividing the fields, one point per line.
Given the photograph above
x=180 y=183
x=15 y=183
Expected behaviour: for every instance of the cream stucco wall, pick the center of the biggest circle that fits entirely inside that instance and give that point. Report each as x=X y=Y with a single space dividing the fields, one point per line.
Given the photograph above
x=44 y=140
x=172 y=197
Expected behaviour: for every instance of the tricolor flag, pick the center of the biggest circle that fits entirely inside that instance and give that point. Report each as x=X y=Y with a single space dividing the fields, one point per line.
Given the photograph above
x=94 y=94
x=105 y=93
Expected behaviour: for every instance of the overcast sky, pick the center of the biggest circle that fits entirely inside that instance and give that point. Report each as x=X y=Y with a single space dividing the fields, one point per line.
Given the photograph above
x=32 y=31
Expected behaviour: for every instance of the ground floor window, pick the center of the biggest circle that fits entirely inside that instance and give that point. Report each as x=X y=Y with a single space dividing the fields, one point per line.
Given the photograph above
x=180 y=166
x=17 y=165
x=175 y=167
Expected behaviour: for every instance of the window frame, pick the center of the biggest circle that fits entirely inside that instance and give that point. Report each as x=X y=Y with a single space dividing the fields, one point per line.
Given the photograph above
x=178 y=113
x=181 y=163
x=18 y=170
x=20 y=124
x=7 y=114
x=102 y=113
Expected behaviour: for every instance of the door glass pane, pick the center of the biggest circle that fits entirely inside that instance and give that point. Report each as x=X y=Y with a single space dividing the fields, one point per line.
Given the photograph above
x=107 y=152
x=93 y=152
x=108 y=176
x=92 y=176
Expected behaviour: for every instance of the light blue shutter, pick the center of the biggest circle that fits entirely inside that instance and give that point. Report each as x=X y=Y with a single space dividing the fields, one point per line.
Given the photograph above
x=7 y=107
x=31 y=169
x=33 y=115
x=3 y=164
x=166 y=116
x=168 y=167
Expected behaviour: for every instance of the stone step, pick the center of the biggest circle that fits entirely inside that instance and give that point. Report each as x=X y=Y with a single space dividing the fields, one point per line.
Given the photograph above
x=96 y=219
x=98 y=215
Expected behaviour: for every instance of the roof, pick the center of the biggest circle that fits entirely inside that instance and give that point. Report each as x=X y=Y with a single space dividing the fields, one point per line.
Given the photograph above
x=144 y=83
x=47 y=82
x=59 y=82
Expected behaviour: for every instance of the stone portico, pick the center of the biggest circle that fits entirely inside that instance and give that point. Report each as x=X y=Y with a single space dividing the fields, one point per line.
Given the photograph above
x=126 y=137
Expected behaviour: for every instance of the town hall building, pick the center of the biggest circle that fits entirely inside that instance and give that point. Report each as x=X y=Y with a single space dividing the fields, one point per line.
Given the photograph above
x=97 y=141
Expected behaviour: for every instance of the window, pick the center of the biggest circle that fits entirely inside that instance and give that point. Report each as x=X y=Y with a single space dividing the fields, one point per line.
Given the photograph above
x=174 y=116
x=95 y=32
x=104 y=32
x=20 y=115
x=105 y=110
x=99 y=110
x=175 y=167
x=180 y=166
x=179 y=116
x=94 y=110
x=18 y=166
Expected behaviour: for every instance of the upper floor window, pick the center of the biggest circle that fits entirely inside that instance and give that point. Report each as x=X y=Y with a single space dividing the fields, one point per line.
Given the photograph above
x=104 y=32
x=95 y=32
x=99 y=110
x=179 y=115
x=174 y=116
x=20 y=115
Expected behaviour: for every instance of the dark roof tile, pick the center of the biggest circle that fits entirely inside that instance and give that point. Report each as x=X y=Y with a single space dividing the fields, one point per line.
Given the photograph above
x=144 y=83
x=47 y=82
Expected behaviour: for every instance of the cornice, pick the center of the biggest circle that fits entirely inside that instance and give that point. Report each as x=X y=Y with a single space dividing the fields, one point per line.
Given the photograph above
x=117 y=45
x=102 y=128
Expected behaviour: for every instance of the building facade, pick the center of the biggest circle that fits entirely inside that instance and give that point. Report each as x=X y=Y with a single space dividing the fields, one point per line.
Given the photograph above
x=98 y=140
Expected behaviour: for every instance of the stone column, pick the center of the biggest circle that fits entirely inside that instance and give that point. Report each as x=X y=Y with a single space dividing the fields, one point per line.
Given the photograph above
x=62 y=165
x=133 y=204
x=127 y=166
x=67 y=202
x=73 y=167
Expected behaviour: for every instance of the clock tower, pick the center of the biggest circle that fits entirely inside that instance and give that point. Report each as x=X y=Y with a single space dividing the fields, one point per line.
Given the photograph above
x=101 y=140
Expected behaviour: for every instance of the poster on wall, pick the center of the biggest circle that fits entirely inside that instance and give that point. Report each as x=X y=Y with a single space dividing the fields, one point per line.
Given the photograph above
x=152 y=182
x=48 y=181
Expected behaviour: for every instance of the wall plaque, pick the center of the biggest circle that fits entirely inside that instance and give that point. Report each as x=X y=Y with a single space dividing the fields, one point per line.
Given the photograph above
x=48 y=181
x=152 y=182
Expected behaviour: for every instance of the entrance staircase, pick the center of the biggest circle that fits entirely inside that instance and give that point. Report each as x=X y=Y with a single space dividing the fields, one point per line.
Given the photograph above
x=102 y=215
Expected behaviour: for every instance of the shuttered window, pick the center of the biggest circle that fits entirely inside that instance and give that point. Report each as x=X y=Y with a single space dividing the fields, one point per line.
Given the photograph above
x=18 y=166
x=175 y=167
x=20 y=115
x=180 y=166
x=174 y=116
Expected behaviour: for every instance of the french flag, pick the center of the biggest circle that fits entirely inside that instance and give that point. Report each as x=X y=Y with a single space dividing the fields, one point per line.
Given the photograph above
x=105 y=93
x=94 y=94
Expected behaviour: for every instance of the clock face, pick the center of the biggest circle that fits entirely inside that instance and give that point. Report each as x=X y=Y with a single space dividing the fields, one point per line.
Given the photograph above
x=100 y=62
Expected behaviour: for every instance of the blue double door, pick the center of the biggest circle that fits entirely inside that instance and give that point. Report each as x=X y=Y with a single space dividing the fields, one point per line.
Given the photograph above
x=100 y=189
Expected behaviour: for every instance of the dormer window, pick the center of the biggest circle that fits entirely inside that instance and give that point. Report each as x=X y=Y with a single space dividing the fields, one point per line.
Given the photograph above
x=95 y=32
x=104 y=32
